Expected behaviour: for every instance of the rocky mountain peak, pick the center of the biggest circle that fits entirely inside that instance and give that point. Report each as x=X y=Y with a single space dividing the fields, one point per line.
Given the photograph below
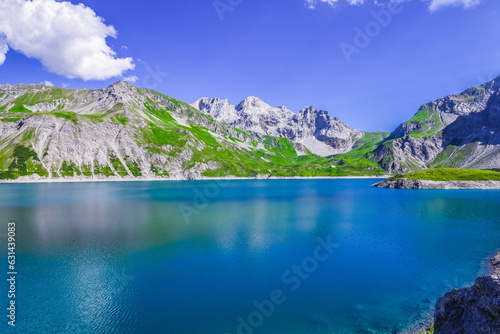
x=312 y=113
x=121 y=84
x=121 y=87
x=460 y=130
x=254 y=103
x=207 y=100
x=312 y=128
x=212 y=106
x=307 y=110
x=493 y=84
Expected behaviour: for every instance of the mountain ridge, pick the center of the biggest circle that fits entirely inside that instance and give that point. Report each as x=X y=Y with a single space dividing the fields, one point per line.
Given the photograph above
x=125 y=131
x=315 y=129
x=460 y=130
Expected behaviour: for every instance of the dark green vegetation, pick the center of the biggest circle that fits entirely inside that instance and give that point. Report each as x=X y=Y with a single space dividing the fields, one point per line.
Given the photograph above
x=198 y=141
x=24 y=161
x=451 y=174
x=430 y=331
x=130 y=131
x=277 y=158
x=31 y=99
x=72 y=116
x=68 y=115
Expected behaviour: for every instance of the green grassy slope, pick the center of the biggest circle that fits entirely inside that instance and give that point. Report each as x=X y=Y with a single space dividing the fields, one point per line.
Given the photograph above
x=425 y=123
x=451 y=174
x=360 y=159
x=236 y=152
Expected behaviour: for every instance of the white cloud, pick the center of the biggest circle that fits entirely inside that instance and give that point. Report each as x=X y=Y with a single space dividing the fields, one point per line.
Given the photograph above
x=48 y=83
x=4 y=48
x=131 y=79
x=436 y=4
x=68 y=39
x=433 y=4
x=312 y=3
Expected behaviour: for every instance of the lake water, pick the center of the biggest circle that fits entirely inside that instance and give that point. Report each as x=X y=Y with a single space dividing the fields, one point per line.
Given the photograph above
x=205 y=257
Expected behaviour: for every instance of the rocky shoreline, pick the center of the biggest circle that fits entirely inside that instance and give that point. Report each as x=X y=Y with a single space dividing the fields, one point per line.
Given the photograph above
x=425 y=184
x=471 y=310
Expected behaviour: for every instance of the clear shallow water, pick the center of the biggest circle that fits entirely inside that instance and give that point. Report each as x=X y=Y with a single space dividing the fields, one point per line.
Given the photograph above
x=122 y=258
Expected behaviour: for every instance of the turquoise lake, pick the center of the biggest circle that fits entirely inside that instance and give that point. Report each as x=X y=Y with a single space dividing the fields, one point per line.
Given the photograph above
x=197 y=257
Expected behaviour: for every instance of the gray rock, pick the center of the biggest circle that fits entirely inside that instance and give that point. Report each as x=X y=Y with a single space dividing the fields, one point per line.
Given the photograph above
x=310 y=128
x=472 y=310
x=426 y=184
x=82 y=130
x=460 y=131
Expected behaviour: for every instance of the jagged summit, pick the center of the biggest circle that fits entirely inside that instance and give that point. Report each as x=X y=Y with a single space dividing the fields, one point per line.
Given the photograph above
x=205 y=103
x=122 y=130
x=253 y=103
x=121 y=84
x=315 y=129
x=308 y=109
x=460 y=130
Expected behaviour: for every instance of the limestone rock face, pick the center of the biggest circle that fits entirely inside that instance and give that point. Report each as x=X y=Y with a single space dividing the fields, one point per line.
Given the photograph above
x=315 y=129
x=473 y=310
x=119 y=131
x=460 y=131
x=125 y=131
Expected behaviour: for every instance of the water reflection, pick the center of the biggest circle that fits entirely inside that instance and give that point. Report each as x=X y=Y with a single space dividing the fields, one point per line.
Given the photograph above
x=119 y=257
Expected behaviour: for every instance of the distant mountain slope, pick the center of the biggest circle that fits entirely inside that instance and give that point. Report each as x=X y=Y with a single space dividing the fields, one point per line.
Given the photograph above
x=461 y=131
x=126 y=131
x=315 y=129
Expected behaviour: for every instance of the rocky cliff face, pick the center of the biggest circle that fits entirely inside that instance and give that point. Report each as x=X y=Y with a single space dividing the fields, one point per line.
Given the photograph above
x=461 y=131
x=311 y=129
x=124 y=131
x=473 y=310
x=120 y=131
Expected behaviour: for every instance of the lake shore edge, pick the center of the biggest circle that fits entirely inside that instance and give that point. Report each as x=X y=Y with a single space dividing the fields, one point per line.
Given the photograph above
x=83 y=179
x=435 y=317
x=427 y=184
x=474 y=309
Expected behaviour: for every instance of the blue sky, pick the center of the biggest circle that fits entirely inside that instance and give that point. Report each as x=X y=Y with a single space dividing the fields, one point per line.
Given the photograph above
x=284 y=52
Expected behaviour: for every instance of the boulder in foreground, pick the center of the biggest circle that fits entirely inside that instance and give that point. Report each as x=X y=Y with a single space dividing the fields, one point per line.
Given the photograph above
x=472 y=310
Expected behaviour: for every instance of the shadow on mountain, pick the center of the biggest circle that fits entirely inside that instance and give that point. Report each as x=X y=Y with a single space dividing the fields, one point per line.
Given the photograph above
x=482 y=127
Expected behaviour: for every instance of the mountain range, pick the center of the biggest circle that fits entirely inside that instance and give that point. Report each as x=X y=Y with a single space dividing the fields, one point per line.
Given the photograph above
x=124 y=132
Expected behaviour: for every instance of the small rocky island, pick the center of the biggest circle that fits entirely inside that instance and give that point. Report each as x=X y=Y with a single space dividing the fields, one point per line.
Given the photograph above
x=445 y=178
x=471 y=310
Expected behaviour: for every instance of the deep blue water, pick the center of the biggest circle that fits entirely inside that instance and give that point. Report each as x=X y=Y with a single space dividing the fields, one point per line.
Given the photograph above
x=158 y=257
